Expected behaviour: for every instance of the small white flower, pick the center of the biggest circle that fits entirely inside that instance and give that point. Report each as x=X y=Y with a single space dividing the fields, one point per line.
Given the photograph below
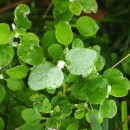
x=108 y=88
x=1 y=76
x=14 y=44
x=16 y=35
x=61 y=64
x=13 y=26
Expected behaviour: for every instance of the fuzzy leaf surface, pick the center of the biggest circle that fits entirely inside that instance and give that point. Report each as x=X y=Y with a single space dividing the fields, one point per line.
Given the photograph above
x=80 y=60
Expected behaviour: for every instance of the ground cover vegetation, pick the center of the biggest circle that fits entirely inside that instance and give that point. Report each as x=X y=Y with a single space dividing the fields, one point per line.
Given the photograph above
x=64 y=67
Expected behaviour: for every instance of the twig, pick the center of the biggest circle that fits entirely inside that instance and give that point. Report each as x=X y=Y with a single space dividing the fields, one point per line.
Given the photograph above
x=48 y=9
x=8 y=7
x=121 y=60
x=128 y=117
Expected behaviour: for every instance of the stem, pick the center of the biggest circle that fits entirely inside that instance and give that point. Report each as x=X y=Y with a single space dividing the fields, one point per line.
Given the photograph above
x=10 y=6
x=64 y=90
x=121 y=60
x=126 y=120
x=124 y=114
x=48 y=9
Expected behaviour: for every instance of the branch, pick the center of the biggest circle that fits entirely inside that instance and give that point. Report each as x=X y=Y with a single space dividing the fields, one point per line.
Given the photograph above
x=8 y=7
x=128 y=117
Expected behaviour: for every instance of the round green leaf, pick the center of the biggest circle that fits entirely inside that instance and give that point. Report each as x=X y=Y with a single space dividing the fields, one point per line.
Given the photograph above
x=61 y=5
x=75 y=8
x=15 y=84
x=65 y=108
x=21 y=19
x=72 y=126
x=45 y=76
x=71 y=78
x=77 y=43
x=120 y=88
x=52 y=123
x=62 y=16
x=30 y=127
x=46 y=108
x=77 y=89
x=81 y=61
x=79 y=114
x=55 y=51
x=86 y=26
x=48 y=39
x=99 y=63
x=100 y=119
x=2 y=124
x=119 y=84
x=55 y=77
x=38 y=76
x=112 y=75
x=6 y=55
x=89 y=6
x=94 y=90
x=108 y=109
x=5 y=33
x=2 y=93
x=64 y=33
x=18 y=72
x=31 y=116
x=29 y=50
x=16 y=112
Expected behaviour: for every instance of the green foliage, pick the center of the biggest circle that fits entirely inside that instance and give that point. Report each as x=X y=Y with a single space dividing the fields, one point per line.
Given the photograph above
x=29 y=49
x=86 y=26
x=2 y=93
x=6 y=55
x=75 y=8
x=84 y=65
x=1 y=124
x=5 y=33
x=21 y=19
x=31 y=116
x=64 y=33
x=105 y=108
x=15 y=84
x=52 y=78
x=18 y=72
